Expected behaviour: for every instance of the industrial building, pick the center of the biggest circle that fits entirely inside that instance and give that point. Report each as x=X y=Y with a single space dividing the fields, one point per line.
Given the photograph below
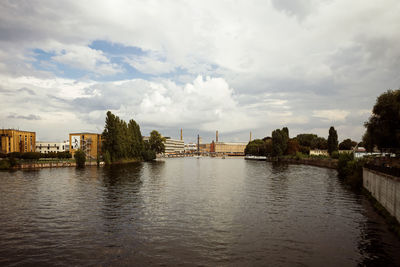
x=224 y=148
x=46 y=147
x=90 y=143
x=232 y=149
x=12 y=140
x=174 y=146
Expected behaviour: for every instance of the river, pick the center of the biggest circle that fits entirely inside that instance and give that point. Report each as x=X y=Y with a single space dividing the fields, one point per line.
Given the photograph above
x=188 y=211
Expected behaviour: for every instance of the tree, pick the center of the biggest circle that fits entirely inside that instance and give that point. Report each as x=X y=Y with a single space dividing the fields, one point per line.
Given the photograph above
x=347 y=144
x=293 y=146
x=319 y=143
x=332 y=140
x=383 y=127
x=156 y=142
x=279 y=142
x=80 y=158
x=305 y=139
x=121 y=140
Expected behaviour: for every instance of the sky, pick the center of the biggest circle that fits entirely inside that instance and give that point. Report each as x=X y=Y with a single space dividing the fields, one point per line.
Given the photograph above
x=232 y=66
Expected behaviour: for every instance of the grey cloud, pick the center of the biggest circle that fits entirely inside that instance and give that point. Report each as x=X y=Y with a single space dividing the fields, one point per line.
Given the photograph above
x=29 y=91
x=29 y=117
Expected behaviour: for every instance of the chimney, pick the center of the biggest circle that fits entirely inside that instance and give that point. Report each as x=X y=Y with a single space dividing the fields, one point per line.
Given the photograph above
x=250 y=136
x=181 y=135
x=216 y=137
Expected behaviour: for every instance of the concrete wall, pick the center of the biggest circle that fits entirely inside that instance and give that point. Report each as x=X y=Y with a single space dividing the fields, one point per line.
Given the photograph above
x=385 y=189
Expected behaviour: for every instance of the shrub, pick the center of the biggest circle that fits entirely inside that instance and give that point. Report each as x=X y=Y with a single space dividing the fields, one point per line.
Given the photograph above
x=5 y=164
x=2 y=155
x=148 y=155
x=300 y=155
x=107 y=158
x=80 y=158
x=335 y=155
x=16 y=155
x=343 y=170
x=31 y=155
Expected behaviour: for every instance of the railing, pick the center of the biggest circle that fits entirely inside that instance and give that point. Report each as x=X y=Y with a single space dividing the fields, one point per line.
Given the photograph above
x=384 y=169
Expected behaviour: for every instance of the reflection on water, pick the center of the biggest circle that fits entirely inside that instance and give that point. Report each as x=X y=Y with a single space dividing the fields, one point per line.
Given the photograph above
x=189 y=212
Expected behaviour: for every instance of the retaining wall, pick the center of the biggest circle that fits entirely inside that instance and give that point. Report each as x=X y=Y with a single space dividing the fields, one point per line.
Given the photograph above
x=52 y=165
x=385 y=189
x=325 y=163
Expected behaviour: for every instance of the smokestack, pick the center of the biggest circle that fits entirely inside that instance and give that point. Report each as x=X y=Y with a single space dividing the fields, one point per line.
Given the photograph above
x=181 y=135
x=216 y=137
x=250 y=136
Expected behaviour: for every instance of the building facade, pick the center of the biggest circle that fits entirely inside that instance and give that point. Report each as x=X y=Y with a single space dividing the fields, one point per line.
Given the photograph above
x=190 y=148
x=17 y=141
x=90 y=143
x=174 y=146
x=228 y=148
x=46 y=147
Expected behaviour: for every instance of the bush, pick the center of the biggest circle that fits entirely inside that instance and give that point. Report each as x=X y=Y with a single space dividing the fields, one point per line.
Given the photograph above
x=63 y=155
x=31 y=155
x=16 y=155
x=148 y=155
x=80 y=158
x=107 y=158
x=2 y=155
x=5 y=164
x=335 y=155
x=343 y=169
x=300 y=155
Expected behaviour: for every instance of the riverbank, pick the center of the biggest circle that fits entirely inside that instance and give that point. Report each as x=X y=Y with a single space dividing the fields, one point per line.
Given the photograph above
x=318 y=162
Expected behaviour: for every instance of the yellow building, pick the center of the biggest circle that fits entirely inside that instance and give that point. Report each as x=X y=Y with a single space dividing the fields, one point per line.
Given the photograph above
x=228 y=148
x=90 y=143
x=17 y=141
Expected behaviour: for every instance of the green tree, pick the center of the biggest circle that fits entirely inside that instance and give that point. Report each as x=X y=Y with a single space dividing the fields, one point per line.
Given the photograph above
x=332 y=140
x=319 y=143
x=306 y=139
x=122 y=140
x=347 y=144
x=80 y=158
x=156 y=142
x=279 y=142
x=383 y=127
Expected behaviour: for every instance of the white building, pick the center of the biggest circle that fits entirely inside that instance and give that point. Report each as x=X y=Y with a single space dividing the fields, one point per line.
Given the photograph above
x=174 y=146
x=190 y=148
x=46 y=147
x=319 y=152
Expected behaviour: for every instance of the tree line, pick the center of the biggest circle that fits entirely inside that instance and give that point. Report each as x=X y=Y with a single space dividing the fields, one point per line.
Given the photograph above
x=280 y=144
x=123 y=140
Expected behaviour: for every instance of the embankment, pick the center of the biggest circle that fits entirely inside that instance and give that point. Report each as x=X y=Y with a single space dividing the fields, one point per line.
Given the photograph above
x=37 y=165
x=385 y=189
x=325 y=163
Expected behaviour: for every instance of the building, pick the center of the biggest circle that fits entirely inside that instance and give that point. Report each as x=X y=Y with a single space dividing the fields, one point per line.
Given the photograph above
x=46 y=147
x=319 y=152
x=190 y=148
x=90 y=143
x=222 y=148
x=174 y=146
x=12 y=140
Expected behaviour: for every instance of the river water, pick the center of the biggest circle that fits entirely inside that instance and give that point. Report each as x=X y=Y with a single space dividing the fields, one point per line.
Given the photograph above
x=188 y=211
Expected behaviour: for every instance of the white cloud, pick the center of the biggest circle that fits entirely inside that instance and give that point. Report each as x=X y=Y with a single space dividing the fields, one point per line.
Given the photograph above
x=288 y=61
x=331 y=115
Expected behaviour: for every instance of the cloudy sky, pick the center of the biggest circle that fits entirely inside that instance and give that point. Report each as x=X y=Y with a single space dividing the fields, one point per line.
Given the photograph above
x=232 y=66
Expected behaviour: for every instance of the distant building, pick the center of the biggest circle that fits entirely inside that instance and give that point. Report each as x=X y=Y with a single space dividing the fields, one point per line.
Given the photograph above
x=46 y=147
x=228 y=148
x=17 y=141
x=174 y=146
x=319 y=152
x=190 y=148
x=90 y=143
